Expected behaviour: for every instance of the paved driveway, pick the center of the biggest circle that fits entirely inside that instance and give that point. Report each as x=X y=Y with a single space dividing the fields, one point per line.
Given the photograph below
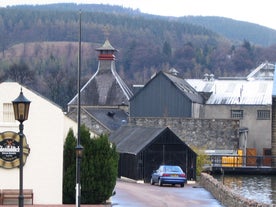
x=129 y=194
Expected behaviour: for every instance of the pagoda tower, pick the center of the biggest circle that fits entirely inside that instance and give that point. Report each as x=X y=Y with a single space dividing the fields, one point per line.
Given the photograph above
x=105 y=88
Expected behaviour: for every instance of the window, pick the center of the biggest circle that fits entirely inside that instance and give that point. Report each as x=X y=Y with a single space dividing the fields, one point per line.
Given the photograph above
x=263 y=114
x=237 y=114
x=8 y=115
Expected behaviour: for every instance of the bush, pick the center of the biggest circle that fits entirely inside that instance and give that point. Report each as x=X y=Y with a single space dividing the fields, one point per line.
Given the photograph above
x=202 y=160
x=99 y=167
x=99 y=172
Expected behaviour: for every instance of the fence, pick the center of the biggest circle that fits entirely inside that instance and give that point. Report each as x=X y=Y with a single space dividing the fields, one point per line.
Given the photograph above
x=240 y=161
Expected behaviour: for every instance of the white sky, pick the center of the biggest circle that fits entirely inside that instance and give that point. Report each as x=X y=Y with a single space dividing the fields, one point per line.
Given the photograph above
x=261 y=12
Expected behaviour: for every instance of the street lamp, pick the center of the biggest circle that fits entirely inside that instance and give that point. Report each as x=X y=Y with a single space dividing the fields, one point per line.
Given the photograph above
x=79 y=150
x=21 y=107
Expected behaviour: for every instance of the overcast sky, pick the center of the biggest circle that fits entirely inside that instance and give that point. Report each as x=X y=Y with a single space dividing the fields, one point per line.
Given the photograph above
x=256 y=11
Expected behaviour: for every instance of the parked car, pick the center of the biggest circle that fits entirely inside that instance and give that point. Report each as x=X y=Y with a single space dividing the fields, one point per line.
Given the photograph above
x=168 y=174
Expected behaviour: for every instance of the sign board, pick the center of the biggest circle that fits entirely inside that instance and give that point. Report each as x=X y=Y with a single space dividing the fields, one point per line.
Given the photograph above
x=10 y=149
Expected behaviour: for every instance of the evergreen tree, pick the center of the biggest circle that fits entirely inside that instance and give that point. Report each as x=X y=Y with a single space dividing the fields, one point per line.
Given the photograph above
x=69 y=168
x=99 y=171
x=99 y=167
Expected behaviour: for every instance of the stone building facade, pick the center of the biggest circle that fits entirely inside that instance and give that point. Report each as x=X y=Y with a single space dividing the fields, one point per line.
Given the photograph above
x=212 y=134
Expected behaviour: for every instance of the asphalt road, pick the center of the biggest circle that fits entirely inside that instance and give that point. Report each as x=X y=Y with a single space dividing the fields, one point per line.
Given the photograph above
x=130 y=194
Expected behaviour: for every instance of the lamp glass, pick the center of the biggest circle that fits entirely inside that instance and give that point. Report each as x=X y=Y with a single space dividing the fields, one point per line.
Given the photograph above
x=79 y=150
x=21 y=107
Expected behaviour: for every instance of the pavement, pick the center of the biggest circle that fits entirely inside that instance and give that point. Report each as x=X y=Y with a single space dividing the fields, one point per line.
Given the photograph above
x=139 y=194
x=124 y=197
x=38 y=205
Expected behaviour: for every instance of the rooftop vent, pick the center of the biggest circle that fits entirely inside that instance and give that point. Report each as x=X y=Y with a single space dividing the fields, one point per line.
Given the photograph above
x=173 y=71
x=208 y=77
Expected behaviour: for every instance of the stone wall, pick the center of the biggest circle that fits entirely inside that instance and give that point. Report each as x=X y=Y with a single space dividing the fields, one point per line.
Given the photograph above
x=225 y=195
x=203 y=133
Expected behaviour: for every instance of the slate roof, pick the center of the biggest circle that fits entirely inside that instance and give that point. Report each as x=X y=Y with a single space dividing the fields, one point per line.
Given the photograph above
x=180 y=84
x=105 y=87
x=132 y=139
x=185 y=87
x=112 y=119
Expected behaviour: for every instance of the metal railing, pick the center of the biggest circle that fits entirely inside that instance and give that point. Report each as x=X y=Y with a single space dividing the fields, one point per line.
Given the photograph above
x=240 y=161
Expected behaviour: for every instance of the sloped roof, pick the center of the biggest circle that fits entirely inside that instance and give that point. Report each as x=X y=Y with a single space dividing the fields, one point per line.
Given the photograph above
x=112 y=119
x=181 y=84
x=185 y=88
x=105 y=87
x=254 y=89
x=106 y=46
x=10 y=85
x=264 y=71
x=132 y=139
x=243 y=92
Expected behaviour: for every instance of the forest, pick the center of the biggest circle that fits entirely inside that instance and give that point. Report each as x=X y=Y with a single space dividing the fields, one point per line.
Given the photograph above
x=39 y=46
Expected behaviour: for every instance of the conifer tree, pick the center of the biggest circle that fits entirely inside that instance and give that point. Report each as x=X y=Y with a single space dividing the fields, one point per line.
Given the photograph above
x=99 y=172
x=69 y=168
x=99 y=167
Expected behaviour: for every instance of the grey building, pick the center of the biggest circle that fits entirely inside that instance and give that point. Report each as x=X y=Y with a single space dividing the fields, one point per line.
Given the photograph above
x=247 y=99
x=243 y=103
x=166 y=95
x=105 y=97
x=167 y=100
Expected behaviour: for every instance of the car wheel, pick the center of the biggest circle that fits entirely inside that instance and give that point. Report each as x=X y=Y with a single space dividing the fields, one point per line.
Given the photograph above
x=182 y=185
x=160 y=182
x=151 y=181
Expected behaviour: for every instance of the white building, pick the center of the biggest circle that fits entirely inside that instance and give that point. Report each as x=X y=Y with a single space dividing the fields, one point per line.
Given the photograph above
x=45 y=130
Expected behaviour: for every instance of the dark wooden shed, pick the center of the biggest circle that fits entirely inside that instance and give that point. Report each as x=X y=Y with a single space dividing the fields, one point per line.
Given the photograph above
x=143 y=149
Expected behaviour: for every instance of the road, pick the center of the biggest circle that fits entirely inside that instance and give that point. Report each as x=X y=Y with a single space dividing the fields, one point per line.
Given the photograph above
x=130 y=194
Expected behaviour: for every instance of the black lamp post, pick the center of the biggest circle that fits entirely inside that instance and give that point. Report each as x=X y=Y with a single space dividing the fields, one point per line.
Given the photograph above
x=79 y=150
x=21 y=107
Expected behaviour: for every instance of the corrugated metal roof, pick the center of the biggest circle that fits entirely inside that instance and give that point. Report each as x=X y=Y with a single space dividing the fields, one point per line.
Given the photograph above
x=255 y=89
x=263 y=71
x=245 y=92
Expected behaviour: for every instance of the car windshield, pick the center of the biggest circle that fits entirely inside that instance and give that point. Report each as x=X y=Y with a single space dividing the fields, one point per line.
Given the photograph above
x=172 y=169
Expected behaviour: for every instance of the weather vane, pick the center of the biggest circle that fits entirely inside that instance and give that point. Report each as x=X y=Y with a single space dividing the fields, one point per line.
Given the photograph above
x=106 y=31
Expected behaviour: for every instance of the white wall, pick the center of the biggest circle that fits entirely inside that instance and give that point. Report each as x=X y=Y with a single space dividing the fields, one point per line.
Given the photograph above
x=45 y=131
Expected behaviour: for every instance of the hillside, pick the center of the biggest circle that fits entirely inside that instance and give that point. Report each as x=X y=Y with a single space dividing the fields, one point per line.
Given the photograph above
x=39 y=46
x=235 y=30
x=232 y=29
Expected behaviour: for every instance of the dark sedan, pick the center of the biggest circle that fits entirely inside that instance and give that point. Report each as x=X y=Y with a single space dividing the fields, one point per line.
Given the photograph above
x=168 y=174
